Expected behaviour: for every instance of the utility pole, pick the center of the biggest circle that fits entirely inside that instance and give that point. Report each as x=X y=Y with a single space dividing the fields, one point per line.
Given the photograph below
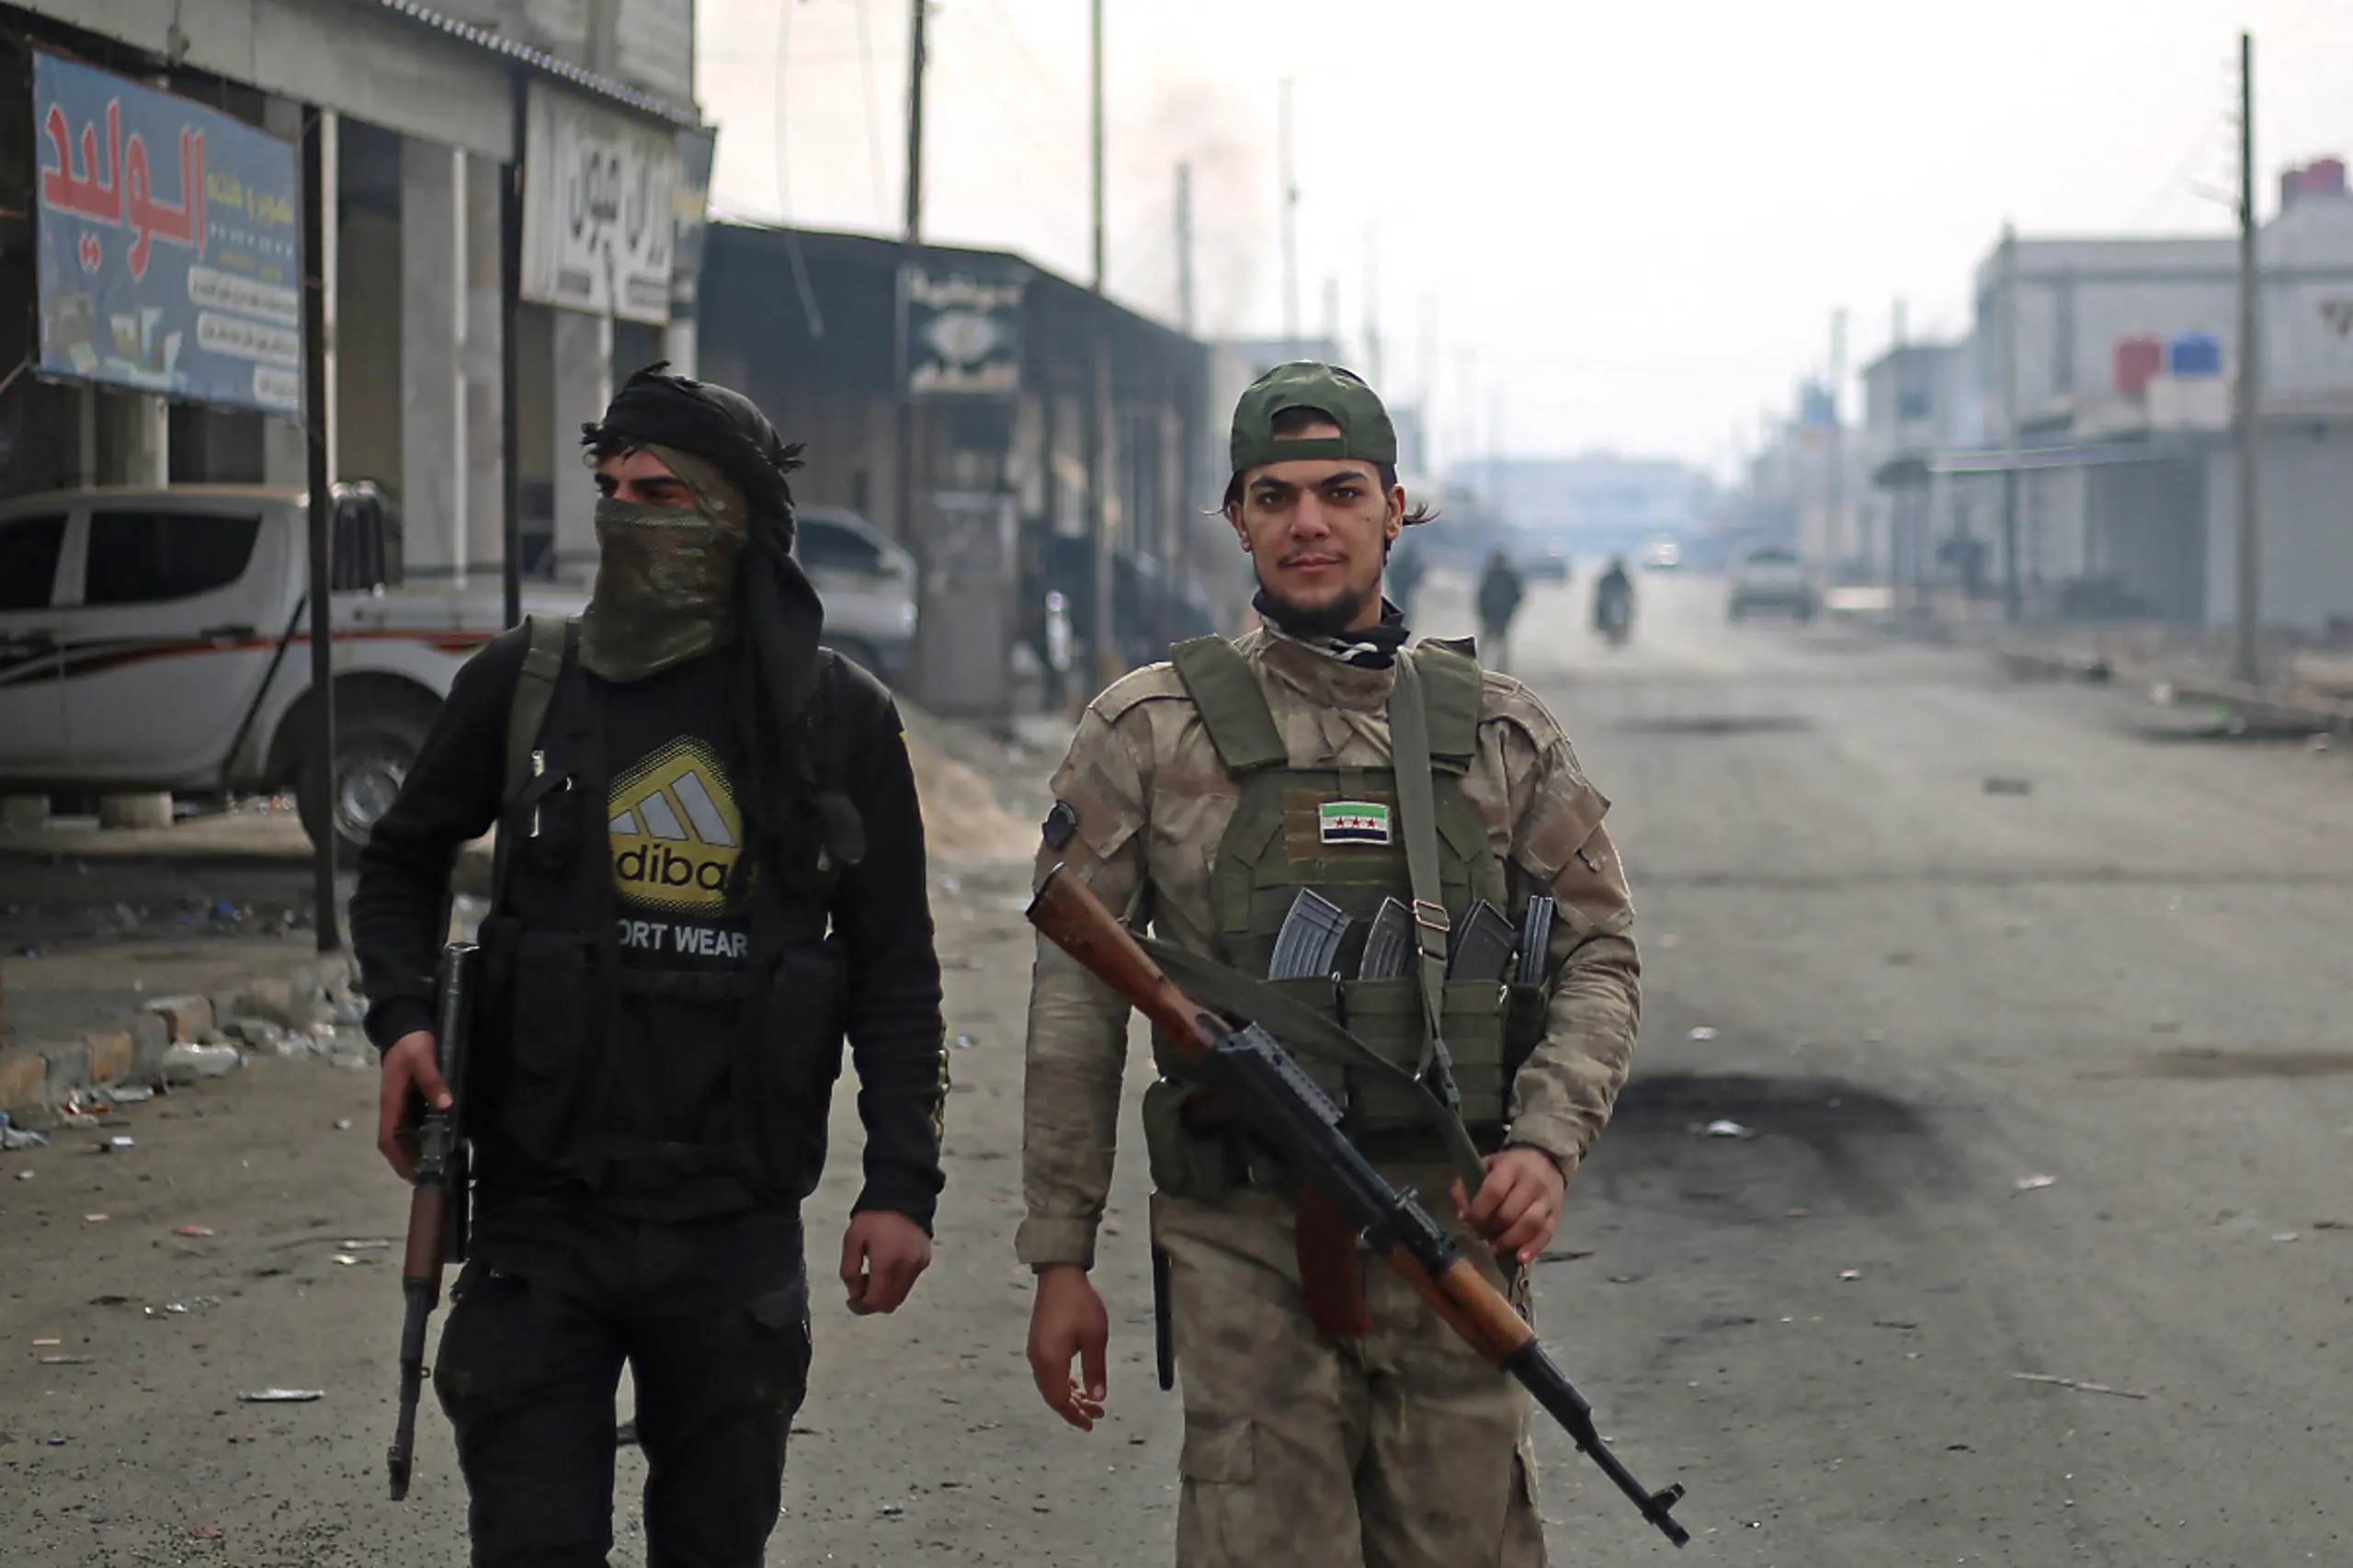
x=1290 y=230
x=1185 y=302
x=910 y=257
x=1835 y=526
x=1104 y=635
x=2246 y=659
x=2012 y=592
x=1372 y=304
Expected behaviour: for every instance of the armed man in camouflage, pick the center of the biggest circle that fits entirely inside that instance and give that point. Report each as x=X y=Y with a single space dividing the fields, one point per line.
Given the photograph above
x=1331 y=1418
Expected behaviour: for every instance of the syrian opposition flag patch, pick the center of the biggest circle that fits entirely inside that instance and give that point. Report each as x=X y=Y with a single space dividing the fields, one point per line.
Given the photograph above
x=1353 y=821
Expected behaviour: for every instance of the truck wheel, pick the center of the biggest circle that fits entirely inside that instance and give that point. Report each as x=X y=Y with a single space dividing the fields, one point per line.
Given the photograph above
x=374 y=748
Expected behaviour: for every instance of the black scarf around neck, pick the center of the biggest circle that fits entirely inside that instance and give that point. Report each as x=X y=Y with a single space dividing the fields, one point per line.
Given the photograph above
x=1370 y=648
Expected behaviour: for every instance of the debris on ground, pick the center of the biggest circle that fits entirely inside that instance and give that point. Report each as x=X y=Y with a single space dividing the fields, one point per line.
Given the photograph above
x=962 y=817
x=2009 y=786
x=2078 y=1384
x=280 y=1396
x=1703 y=1032
x=963 y=1042
x=189 y=1061
x=2035 y=1183
x=2284 y=1236
x=1564 y=1255
x=1723 y=1127
x=12 y=1138
x=1850 y=1274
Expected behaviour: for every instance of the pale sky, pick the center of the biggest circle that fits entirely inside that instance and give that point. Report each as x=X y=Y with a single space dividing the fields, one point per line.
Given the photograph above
x=1590 y=226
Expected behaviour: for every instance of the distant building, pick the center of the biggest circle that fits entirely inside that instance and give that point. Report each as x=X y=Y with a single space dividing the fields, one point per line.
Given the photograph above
x=1919 y=399
x=2104 y=366
x=1590 y=504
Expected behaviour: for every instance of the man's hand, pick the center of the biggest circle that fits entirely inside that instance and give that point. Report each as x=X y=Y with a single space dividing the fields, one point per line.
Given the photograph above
x=882 y=1254
x=1518 y=1204
x=412 y=1072
x=1068 y=1324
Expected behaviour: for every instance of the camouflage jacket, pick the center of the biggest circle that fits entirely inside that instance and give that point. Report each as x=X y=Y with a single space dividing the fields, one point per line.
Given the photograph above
x=1153 y=801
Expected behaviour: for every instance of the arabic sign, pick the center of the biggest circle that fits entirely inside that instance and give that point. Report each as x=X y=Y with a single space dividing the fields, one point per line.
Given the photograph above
x=170 y=244
x=597 y=211
x=963 y=333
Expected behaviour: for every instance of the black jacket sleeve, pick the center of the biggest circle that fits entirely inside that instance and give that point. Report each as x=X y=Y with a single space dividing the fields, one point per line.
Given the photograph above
x=450 y=798
x=882 y=914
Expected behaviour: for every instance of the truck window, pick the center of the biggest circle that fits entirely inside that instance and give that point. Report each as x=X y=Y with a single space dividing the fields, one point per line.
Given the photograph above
x=28 y=550
x=823 y=546
x=140 y=558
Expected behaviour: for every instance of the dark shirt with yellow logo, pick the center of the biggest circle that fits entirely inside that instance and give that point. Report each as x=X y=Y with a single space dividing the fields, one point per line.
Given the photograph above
x=674 y=825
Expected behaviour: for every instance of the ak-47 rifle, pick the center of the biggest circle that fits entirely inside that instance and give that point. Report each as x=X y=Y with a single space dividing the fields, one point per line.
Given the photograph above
x=437 y=1208
x=1287 y=1108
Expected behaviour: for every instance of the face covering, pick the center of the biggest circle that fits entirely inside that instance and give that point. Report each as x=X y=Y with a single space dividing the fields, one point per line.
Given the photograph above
x=666 y=578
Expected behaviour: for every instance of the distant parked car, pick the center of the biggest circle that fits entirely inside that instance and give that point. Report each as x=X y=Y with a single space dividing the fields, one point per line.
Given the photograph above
x=1770 y=577
x=1662 y=555
x=867 y=582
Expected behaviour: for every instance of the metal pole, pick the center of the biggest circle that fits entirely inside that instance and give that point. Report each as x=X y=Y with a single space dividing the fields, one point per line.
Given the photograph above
x=2013 y=594
x=1104 y=633
x=510 y=372
x=910 y=255
x=1185 y=303
x=1834 y=525
x=2247 y=661
x=318 y=131
x=1289 y=231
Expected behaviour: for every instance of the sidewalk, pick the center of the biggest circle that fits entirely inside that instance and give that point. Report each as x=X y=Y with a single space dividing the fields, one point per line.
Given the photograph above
x=118 y=945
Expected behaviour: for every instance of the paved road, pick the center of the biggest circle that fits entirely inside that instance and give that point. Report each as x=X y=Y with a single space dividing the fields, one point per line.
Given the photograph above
x=1914 y=994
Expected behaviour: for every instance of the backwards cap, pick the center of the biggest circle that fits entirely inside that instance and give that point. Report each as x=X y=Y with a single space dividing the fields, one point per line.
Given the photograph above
x=1339 y=395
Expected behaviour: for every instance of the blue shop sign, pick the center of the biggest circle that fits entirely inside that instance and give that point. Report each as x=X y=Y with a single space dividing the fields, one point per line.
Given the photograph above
x=170 y=244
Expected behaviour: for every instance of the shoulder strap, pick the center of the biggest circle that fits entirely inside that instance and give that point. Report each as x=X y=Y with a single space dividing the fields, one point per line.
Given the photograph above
x=1450 y=683
x=1409 y=737
x=1233 y=705
x=534 y=687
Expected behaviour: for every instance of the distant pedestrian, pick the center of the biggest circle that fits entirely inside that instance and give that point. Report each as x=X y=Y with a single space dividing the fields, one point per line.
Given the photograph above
x=1404 y=573
x=1500 y=590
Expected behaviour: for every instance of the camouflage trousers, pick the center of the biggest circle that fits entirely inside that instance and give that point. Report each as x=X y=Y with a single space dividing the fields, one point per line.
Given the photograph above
x=1404 y=1450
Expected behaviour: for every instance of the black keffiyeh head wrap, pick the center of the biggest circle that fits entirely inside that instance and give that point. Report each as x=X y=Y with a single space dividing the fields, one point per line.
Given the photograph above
x=782 y=613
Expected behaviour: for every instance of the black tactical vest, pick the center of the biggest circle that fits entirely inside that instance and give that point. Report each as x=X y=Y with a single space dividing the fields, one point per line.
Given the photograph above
x=554 y=975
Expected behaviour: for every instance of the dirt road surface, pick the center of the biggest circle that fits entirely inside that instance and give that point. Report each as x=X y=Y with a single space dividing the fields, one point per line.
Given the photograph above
x=2021 y=1237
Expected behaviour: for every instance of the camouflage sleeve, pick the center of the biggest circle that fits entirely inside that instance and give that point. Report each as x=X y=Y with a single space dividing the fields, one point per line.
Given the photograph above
x=1561 y=1097
x=1078 y=1025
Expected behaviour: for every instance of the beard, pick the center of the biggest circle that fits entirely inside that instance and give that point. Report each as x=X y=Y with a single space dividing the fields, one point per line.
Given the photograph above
x=1333 y=617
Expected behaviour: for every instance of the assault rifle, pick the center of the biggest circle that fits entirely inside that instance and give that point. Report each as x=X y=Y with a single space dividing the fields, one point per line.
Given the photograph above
x=438 y=1208
x=1287 y=1108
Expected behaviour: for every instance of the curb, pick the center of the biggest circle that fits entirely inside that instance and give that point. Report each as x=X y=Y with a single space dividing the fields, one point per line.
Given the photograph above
x=37 y=1079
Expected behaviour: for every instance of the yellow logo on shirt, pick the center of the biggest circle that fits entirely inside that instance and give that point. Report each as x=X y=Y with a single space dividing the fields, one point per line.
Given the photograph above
x=676 y=831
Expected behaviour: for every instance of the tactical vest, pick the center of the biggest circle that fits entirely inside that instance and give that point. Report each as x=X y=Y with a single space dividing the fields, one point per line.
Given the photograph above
x=1349 y=833
x=552 y=970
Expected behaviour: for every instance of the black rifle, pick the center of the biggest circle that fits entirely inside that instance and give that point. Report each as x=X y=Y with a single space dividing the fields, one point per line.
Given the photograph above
x=438 y=1208
x=1287 y=1108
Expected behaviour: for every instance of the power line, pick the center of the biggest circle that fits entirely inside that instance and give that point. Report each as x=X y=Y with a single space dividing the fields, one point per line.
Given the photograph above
x=801 y=283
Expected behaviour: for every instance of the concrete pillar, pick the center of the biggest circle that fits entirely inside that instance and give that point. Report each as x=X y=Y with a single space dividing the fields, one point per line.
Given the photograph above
x=136 y=440
x=433 y=257
x=485 y=487
x=583 y=356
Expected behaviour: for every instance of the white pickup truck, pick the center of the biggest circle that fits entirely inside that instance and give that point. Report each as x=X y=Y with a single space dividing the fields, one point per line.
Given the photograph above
x=159 y=639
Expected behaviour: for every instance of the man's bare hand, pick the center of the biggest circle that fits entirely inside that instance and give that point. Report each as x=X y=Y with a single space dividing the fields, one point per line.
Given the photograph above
x=412 y=1073
x=882 y=1256
x=1518 y=1205
x=1068 y=1324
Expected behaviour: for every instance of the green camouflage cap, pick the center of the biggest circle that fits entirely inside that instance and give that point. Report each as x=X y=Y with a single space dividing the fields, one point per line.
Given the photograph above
x=1365 y=431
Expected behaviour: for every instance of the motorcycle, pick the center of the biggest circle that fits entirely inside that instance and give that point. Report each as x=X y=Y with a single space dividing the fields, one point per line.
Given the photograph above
x=1614 y=618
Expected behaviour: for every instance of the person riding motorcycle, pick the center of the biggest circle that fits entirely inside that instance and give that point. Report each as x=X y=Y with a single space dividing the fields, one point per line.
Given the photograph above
x=1613 y=597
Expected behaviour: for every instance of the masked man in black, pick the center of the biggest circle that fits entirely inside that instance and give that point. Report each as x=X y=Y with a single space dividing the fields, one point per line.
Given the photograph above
x=710 y=871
